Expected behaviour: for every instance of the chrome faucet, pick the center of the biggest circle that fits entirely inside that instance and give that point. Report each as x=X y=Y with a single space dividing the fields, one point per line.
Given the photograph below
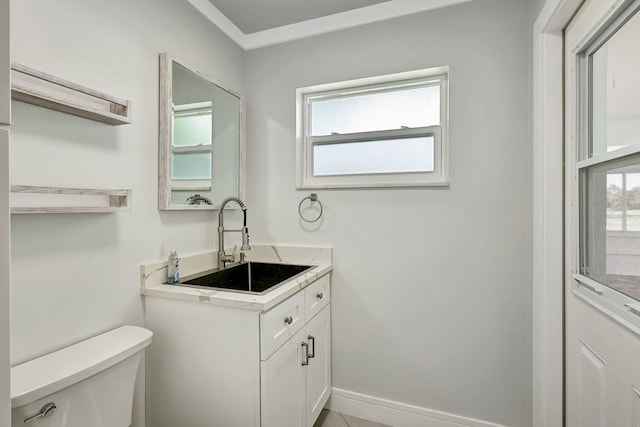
x=223 y=258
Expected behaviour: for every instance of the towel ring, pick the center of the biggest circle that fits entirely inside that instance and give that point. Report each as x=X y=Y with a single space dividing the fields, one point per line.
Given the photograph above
x=313 y=197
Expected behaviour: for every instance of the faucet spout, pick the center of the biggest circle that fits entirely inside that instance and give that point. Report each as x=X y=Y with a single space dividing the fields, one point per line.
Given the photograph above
x=223 y=258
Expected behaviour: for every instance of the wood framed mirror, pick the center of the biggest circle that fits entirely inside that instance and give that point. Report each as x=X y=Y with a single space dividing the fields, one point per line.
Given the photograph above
x=201 y=145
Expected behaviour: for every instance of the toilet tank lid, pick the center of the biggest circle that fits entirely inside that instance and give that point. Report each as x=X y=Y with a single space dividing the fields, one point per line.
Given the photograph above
x=55 y=371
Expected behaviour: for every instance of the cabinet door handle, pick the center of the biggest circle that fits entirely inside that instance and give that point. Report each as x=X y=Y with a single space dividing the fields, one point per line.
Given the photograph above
x=305 y=362
x=288 y=320
x=313 y=346
x=320 y=295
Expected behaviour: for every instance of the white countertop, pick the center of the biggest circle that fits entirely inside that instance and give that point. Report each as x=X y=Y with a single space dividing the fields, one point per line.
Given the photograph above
x=153 y=276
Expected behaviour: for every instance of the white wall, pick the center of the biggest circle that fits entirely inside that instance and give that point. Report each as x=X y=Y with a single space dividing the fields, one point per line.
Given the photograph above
x=75 y=276
x=431 y=287
x=535 y=9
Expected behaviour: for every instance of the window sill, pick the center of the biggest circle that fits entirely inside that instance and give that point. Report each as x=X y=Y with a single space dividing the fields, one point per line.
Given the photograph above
x=606 y=300
x=311 y=186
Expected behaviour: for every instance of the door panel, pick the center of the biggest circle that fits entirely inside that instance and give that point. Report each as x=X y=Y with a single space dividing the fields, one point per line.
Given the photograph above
x=592 y=376
x=601 y=371
x=602 y=240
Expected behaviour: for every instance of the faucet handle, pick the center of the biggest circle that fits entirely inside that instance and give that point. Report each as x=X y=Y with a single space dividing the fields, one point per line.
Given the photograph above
x=227 y=258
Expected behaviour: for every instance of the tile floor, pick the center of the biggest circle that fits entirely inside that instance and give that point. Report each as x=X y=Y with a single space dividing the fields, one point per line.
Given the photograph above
x=336 y=419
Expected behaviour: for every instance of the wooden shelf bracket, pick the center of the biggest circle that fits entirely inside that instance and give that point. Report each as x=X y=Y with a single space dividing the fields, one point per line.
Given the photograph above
x=26 y=199
x=44 y=90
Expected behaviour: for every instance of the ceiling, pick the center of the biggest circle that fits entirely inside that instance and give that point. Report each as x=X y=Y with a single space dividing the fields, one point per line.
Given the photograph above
x=251 y=16
x=257 y=23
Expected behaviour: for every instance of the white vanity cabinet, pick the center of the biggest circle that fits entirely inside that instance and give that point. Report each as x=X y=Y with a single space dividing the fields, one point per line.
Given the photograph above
x=296 y=378
x=296 y=382
x=235 y=366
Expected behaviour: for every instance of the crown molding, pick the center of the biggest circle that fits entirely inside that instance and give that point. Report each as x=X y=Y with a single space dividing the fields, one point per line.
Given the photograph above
x=220 y=20
x=322 y=25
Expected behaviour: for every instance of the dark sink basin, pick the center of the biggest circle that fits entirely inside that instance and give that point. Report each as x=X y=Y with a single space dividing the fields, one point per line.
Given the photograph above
x=250 y=277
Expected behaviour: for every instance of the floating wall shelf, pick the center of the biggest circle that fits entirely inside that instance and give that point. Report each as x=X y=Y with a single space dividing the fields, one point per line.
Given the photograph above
x=38 y=88
x=29 y=199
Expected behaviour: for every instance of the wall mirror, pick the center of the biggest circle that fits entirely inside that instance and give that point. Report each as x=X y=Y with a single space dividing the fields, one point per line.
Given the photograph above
x=200 y=139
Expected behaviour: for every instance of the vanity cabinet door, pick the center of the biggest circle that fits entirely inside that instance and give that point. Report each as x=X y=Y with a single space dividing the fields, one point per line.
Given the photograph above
x=283 y=385
x=294 y=393
x=318 y=372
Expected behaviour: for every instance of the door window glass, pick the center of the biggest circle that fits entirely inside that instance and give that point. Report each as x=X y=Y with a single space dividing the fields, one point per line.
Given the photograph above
x=615 y=91
x=611 y=224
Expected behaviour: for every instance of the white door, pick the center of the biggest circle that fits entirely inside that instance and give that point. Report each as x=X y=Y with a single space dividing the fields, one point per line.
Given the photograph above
x=5 y=89
x=5 y=118
x=602 y=156
x=318 y=372
x=282 y=385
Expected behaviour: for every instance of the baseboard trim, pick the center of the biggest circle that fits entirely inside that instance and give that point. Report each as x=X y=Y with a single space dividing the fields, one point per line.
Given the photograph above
x=396 y=414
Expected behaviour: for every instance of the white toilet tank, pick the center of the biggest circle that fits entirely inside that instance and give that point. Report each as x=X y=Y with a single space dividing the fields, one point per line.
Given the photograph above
x=90 y=383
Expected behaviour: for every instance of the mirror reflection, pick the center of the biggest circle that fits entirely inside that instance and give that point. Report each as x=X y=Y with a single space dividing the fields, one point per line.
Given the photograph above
x=199 y=139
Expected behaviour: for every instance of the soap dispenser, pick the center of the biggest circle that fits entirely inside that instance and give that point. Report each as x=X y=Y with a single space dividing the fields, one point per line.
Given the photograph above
x=173 y=270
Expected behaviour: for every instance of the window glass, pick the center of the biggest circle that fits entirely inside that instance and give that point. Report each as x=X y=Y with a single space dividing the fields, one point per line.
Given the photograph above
x=389 y=109
x=373 y=157
x=191 y=165
x=191 y=145
x=614 y=202
x=623 y=201
x=611 y=224
x=192 y=130
x=615 y=91
x=632 y=205
x=192 y=124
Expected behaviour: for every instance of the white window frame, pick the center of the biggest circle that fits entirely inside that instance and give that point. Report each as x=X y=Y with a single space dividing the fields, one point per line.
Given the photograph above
x=305 y=142
x=187 y=184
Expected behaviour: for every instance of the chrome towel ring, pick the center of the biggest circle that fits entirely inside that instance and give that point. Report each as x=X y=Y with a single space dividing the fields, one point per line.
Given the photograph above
x=313 y=197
